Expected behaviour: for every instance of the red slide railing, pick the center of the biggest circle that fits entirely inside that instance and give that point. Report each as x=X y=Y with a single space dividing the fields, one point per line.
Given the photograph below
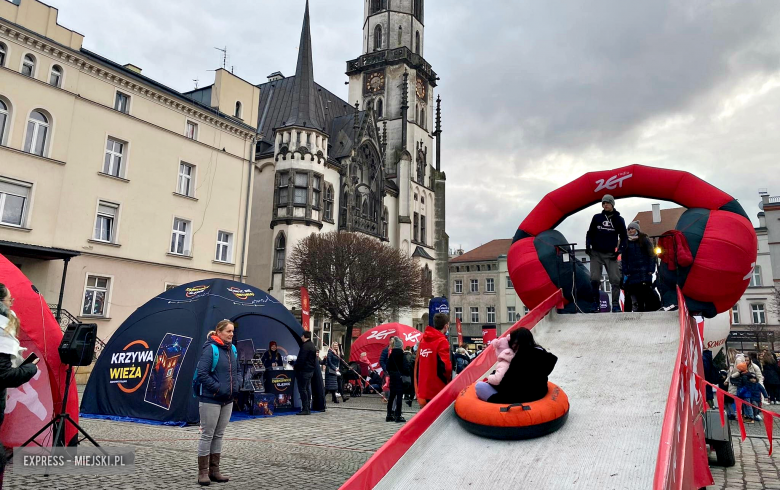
x=388 y=455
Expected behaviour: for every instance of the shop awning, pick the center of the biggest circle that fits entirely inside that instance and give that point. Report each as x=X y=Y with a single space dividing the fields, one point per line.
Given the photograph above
x=36 y=251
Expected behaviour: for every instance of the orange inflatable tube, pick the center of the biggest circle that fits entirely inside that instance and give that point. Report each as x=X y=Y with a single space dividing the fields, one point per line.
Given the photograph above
x=512 y=421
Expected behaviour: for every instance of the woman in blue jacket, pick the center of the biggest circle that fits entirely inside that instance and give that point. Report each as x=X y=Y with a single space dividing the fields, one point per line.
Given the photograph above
x=218 y=386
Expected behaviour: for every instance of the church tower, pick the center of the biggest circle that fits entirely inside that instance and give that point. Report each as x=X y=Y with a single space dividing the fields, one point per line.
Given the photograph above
x=393 y=79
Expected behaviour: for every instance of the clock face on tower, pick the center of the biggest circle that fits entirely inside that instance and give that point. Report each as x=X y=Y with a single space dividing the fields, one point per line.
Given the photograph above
x=421 y=86
x=375 y=82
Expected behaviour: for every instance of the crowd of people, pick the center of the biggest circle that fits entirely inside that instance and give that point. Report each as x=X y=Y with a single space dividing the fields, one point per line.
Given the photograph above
x=751 y=378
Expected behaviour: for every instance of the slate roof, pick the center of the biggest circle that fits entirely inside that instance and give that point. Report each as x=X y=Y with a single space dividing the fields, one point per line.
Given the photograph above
x=304 y=111
x=420 y=252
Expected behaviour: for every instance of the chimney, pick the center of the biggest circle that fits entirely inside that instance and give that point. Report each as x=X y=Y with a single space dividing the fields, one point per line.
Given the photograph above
x=133 y=68
x=656 y=213
x=761 y=220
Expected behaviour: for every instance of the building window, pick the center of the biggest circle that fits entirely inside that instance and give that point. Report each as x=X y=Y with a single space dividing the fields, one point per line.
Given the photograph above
x=238 y=110
x=416 y=226
x=490 y=285
x=380 y=109
x=3 y=53
x=28 y=65
x=488 y=266
x=122 y=103
x=526 y=310
x=192 y=130
x=180 y=237
x=113 y=163
x=423 y=230
x=509 y=284
x=316 y=189
x=283 y=192
x=96 y=296
x=301 y=193
x=755 y=279
x=457 y=269
x=479 y=268
x=458 y=286
x=474 y=314
x=386 y=224
x=105 y=222
x=735 y=315
x=459 y=313
x=224 y=247
x=417 y=9
x=55 y=77
x=13 y=202
x=377 y=38
x=474 y=286
x=185 y=185
x=417 y=42
x=422 y=118
x=3 y=119
x=759 y=316
x=377 y=5
x=491 y=314
x=328 y=202
x=511 y=315
x=37 y=131
x=279 y=252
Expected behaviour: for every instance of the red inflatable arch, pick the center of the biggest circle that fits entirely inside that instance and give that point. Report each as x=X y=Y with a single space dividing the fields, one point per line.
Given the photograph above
x=726 y=247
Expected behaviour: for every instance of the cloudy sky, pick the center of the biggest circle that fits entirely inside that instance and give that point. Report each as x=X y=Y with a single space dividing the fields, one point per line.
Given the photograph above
x=534 y=93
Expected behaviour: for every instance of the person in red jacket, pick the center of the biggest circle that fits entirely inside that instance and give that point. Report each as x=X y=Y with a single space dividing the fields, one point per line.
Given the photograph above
x=434 y=365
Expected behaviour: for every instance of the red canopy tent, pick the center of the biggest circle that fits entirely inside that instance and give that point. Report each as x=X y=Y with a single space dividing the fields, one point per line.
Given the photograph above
x=376 y=339
x=32 y=405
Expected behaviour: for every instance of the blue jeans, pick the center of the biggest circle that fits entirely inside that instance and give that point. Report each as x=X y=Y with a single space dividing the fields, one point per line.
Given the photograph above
x=484 y=390
x=747 y=410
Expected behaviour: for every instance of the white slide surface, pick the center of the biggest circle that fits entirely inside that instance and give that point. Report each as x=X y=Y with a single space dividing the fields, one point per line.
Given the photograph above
x=616 y=370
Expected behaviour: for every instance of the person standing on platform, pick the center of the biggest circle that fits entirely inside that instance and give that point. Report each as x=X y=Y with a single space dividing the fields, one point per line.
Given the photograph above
x=434 y=368
x=272 y=357
x=305 y=366
x=218 y=386
x=638 y=268
x=604 y=242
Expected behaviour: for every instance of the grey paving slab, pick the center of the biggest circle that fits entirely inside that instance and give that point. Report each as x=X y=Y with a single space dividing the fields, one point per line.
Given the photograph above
x=616 y=370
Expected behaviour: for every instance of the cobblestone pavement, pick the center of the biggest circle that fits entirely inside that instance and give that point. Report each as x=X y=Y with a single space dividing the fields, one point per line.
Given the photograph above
x=288 y=452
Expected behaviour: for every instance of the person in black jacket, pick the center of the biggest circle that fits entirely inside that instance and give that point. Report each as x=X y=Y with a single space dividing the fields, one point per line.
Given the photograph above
x=12 y=373
x=605 y=240
x=396 y=367
x=771 y=377
x=305 y=366
x=526 y=378
x=638 y=268
x=272 y=357
x=218 y=387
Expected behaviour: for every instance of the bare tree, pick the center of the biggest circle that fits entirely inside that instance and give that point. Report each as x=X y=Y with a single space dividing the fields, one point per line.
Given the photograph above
x=352 y=276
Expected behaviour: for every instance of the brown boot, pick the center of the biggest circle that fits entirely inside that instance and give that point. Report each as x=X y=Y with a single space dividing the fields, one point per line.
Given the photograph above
x=214 y=473
x=203 y=470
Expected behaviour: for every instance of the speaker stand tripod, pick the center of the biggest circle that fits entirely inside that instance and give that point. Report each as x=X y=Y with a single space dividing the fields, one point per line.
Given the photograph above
x=60 y=420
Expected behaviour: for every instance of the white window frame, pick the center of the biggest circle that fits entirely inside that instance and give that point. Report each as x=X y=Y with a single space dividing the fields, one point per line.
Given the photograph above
x=5 y=129
x=758 y=312
x=490 y=311
x=474 y=310
x=25 y=206
x=3 y=54
x=182 y=177
x=458 y=286
x=194 y=135
x=735 y=316
x=24 y=63
x=459 y=313
x=61 y=76
x=37 y=125
x=755 y=278
x=186 y=243
x=472 y=284
x=490 y=285
x=107 y=298
x=128 y=105
x=511 y=314
x=114 y=224
x=526 y=310
x=122 y=155
x=509 y=284
x=224 y=245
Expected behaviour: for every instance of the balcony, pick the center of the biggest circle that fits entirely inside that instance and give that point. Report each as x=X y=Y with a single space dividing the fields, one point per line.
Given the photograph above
x=390 y=57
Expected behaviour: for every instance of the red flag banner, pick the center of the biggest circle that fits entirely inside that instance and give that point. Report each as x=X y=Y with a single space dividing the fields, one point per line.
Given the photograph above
x=305 y=309
x=460 y=331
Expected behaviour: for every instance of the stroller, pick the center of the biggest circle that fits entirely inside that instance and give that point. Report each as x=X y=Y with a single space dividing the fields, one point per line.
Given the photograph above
x=353 y=385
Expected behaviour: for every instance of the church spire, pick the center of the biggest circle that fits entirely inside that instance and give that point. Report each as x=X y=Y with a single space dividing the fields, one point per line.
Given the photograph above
x=304 y=96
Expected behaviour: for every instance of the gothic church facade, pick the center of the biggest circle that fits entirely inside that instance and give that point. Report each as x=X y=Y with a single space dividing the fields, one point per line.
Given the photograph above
x=368 y=164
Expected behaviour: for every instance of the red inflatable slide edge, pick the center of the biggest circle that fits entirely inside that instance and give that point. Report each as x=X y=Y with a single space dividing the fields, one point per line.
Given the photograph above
x=388 y=455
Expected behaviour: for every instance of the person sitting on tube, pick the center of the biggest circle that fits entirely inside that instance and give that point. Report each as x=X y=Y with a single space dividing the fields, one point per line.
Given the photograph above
x=272 y=358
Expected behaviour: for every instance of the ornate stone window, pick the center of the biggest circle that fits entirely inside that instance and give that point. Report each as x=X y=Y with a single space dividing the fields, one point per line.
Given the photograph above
x=427 y=282
x=377 y=37
x=380 y=109
x=280 y=247
x=362 y=205
x=385 y=224
x=328 y=203
x=421 y=168
x=298 y=194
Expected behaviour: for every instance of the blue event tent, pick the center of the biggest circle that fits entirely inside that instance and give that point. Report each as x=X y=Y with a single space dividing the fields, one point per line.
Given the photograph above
x=146 y=369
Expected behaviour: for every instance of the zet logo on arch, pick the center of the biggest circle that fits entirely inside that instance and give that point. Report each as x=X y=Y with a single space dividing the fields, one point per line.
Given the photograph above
x=131 y=366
